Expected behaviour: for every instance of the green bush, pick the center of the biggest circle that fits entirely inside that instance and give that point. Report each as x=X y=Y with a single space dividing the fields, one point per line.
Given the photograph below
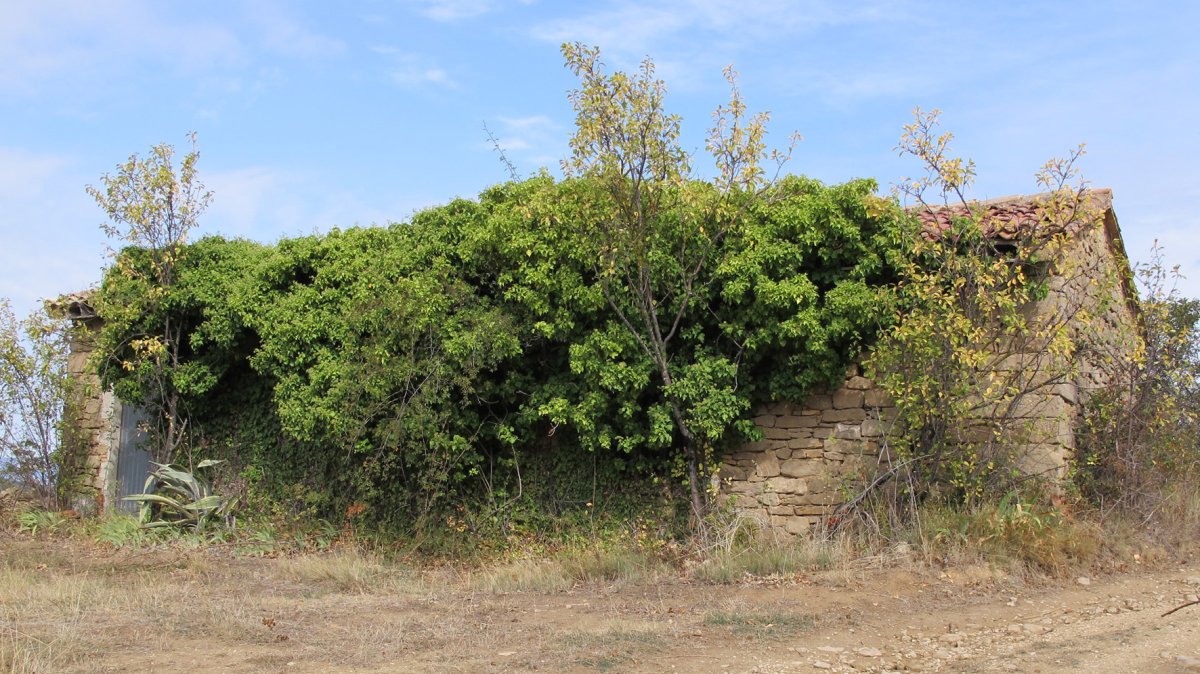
x=445 y=360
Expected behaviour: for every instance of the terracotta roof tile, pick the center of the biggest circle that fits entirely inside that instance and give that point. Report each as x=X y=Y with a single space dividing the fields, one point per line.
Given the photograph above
x=1015 y=217
x=75 y=306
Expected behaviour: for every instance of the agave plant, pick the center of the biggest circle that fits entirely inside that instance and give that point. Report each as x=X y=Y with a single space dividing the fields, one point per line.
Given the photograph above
x=174 y=497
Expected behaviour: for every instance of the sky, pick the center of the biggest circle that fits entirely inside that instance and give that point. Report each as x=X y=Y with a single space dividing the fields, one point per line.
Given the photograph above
x=314 y=115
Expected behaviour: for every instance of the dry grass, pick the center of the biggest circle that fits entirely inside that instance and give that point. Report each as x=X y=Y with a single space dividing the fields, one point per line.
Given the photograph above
x=523 y=575
x=348 y=570
x=613 y=647
x=570 y=567
x=768 y=556
x=762 y=623
x=1021 y=540
x=67 y=606
x=72 y=605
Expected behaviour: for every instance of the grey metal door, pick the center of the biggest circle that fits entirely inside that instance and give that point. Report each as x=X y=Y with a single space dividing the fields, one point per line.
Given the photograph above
x=133 y=458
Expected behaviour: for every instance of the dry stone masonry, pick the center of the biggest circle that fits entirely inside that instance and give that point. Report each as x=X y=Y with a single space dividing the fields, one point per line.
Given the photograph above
x=811 y=454
x=94 y=424
x=817 y=452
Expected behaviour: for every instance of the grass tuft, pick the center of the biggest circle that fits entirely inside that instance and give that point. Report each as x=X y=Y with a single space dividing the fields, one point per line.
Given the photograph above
x=524 y=575
x=763 y=556
x=560 y=572
x=611 y=649
x=348 y=570
x=761 y=624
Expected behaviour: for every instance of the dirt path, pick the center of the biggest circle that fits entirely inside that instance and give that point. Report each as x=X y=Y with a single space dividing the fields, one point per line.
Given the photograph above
x=876 y=621
x=1109 y=625
x=66 y=610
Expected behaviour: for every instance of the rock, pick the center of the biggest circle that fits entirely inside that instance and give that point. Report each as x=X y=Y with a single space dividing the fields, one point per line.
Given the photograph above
x=831 y=649
x=952 y=639
x=1193 y=580
x=767 y=466
x=877 y=398
x=821 y=664
x=858 y=383
x=847 y=431
x=869 y=652
x=1084 y=580
x=801 y=468
x=853 y=414
x=871 y=428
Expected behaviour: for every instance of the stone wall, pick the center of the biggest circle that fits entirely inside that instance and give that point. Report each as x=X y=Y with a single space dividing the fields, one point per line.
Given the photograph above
x=810 y=454
x=95 y=419
x=1091 y=294
x=817 y=451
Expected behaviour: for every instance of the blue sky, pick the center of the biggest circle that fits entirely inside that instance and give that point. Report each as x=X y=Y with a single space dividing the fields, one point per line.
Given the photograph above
x=312 y=115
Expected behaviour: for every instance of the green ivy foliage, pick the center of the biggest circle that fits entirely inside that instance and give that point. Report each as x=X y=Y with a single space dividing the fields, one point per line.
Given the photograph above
x=415 y=367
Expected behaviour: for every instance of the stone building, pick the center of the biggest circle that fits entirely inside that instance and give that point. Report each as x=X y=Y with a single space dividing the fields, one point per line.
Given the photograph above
x=816 y=451
x=107 y=441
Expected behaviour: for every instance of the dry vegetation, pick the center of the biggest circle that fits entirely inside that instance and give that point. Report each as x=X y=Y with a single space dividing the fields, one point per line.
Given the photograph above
x=71 y=604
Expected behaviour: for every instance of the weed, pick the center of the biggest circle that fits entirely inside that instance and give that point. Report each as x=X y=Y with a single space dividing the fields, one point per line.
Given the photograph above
x=259 y=540
x=177 y=498
x=763 y=556
x=46 y=522
x=349 y=570
x=120 y=531
x=524 y=575
x=620 y=564
x=610 y=649
x=1013 y=533
x=561 y=571
x=761 y=624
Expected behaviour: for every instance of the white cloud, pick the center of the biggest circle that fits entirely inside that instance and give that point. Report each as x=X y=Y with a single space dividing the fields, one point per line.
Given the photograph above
x=412 y=70
x=79 y=45
x=453 y=10
x=527 y=123
x=263 y=203
x=283 y=35
x=77 y=42
x=457 y=10
x=631 y=30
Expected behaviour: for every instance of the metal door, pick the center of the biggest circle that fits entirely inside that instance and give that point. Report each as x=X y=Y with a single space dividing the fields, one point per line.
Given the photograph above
x=133 y=457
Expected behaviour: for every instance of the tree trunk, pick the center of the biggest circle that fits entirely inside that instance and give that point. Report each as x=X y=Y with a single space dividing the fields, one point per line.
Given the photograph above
x=695 y=460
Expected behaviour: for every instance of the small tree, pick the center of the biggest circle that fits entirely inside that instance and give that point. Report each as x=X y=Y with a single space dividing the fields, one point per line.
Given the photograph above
x=1140 y=440
x=656 y=235
x=34 y=389
x=152 y=206
x=971 y=352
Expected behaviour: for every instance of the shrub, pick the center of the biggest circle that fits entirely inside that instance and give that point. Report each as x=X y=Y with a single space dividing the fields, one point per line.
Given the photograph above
x=1140 y=440
x=173 y=497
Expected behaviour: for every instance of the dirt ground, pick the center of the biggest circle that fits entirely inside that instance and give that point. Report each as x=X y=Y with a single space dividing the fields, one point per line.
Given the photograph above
x=73 y=607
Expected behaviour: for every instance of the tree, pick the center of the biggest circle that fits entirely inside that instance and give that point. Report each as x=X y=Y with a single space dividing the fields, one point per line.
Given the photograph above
x=34 y=388
x=656 y=235
x=972 y=348
x=1140 y=439
x=152 y=206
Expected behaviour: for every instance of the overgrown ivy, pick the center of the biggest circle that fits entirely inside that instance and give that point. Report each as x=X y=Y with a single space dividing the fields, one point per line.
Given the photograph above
x=423 y=367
